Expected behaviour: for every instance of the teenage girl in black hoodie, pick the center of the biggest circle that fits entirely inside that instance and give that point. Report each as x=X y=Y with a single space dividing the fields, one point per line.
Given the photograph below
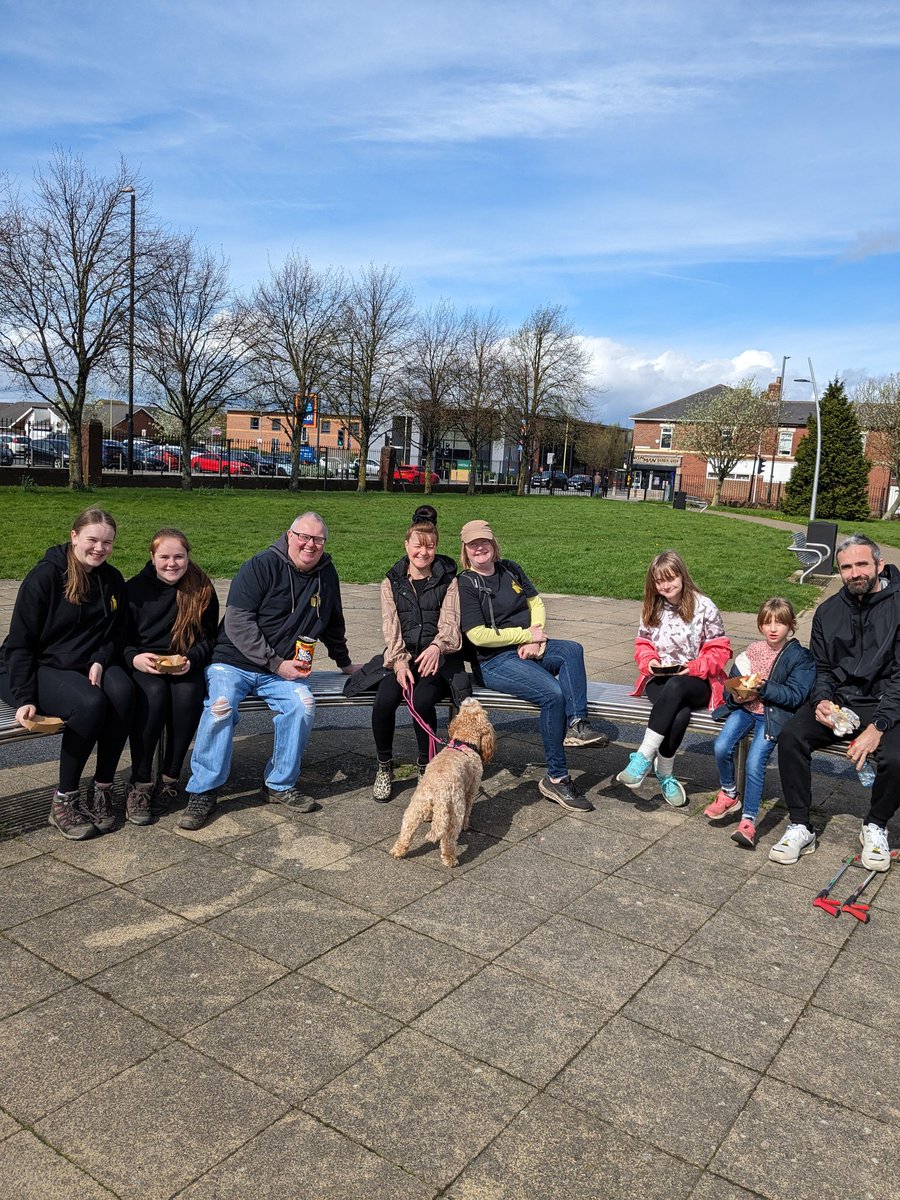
x=61 y=659
x=172 y=610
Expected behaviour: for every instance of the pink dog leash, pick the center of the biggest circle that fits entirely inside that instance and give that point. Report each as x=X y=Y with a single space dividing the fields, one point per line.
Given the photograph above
x=433 y=740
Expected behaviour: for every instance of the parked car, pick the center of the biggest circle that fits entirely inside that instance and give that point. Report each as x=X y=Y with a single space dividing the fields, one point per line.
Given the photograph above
x=114 y=454
x=350 y=470
x=149 y=458
x=18 y=443
x=52 y=451
x=170 y=456
x=209 y=463
x=580 y=483
x=260 y=464
x=6 y=455
x=406 y=473
x=542 y=480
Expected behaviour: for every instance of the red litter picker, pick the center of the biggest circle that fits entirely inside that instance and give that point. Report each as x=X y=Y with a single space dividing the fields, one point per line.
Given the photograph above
x=823 y=900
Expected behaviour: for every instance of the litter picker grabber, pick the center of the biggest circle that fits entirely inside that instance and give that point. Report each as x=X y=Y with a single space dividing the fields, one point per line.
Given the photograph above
x=860 y=911
x=823 y=900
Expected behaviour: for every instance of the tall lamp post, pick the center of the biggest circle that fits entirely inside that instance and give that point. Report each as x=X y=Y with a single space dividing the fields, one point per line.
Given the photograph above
x=129 y=191
x=815 y=486
x=784 y=359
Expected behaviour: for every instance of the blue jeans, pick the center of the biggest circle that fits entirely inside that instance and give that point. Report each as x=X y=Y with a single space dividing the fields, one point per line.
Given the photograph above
x=556 y=682
x=738 y=725
x=294 y=707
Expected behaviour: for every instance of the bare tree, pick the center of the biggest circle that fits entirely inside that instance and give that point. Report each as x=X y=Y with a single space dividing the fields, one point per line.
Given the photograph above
x=475 y=406
x=879 y=405
x=544 y=377
x=725 y=425
x=433 y=366
x=191 y=342
x=367 y=376
x=295 y=316
x=64 y=284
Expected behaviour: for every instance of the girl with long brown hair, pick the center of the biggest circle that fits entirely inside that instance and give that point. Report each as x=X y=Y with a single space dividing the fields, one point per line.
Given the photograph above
x=681 y=650
x=60 y=659
x=173 y=610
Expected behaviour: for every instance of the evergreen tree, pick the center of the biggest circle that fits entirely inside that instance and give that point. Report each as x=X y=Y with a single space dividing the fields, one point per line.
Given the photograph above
x=844 y=470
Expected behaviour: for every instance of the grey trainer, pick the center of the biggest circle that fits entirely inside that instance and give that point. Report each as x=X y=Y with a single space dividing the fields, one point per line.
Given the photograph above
x=562 y=792
x=293 y=799
x=582 y=733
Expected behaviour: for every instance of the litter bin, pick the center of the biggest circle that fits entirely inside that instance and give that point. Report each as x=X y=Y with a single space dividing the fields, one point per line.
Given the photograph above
x=679 y=500
x=825 y=534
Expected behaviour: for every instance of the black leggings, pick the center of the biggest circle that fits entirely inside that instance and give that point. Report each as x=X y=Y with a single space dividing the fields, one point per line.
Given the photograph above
x=173 y=702
x=94 y=716
x=673 y=698
x=426 y=693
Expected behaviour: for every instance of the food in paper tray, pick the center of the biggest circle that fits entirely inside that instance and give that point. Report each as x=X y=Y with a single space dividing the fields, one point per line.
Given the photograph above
x=744 y=687
x=39 y=724
x=168 y=664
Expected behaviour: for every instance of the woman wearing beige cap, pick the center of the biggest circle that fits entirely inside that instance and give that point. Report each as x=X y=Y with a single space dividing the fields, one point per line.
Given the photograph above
x=503 y=617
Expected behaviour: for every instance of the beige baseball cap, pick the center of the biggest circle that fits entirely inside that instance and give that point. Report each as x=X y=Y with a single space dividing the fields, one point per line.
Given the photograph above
x=473 y=530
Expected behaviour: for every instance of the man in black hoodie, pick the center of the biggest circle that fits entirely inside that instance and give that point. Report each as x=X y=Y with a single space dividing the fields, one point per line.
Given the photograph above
x=856 y=646
x=288 y=592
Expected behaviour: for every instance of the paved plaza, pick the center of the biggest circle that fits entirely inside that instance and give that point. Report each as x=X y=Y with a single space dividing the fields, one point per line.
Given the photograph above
x=615 y=1004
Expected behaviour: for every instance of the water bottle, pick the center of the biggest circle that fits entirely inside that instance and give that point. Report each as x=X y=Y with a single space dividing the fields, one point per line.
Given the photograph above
x=866 y=773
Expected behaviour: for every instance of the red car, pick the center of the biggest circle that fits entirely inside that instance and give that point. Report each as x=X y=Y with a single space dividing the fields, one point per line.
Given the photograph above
x=409 y=474
x=214 y=464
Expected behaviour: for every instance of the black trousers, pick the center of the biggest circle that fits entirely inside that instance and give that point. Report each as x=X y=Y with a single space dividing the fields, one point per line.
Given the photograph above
x=673 y=698
x=803 y=734
x=388 y=698
x=94 y=716
x=170 y=702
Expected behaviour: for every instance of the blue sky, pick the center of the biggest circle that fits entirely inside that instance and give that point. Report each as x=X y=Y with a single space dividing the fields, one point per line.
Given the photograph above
x=704 y=184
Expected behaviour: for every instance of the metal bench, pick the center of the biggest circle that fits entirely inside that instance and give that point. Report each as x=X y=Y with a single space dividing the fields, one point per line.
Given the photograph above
x=697 y=502
x=810 y=555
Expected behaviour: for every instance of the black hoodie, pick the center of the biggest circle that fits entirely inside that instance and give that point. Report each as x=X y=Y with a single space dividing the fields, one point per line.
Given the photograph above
x=271 y=603
x=855 y=642
x=47 y=631
x=152 y=610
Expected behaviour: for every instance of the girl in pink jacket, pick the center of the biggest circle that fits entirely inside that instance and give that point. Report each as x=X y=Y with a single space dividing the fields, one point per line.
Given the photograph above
x=681 y=651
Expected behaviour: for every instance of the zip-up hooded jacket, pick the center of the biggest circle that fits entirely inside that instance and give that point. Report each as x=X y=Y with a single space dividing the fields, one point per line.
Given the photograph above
x=152 y=610
x=47 y=631
x=271 y=603
x=855 y=643
x=790 y=681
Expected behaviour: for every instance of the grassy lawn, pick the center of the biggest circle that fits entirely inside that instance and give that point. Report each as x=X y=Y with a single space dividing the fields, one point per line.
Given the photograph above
x=570 y=545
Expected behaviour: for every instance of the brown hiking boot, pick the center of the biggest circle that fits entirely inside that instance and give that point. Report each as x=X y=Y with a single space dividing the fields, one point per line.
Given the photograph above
x=166 y=794
x=67 y=817
x=99 y=806
x=199 y=807
x=137 y=803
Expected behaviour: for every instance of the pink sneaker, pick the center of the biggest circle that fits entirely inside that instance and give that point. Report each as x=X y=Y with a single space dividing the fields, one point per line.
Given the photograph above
x=722 y=807
x=745 y=835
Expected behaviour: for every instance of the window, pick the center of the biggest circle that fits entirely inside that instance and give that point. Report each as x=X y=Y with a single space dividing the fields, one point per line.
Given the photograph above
x=326 y=427
x=665 y=437
x=254 y=422
x=276 y=422
x=785 y=440
x=354 y=429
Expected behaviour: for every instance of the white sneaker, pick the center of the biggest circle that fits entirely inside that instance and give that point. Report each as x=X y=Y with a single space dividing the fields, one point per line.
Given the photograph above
x=876 y=853
x=797 y=840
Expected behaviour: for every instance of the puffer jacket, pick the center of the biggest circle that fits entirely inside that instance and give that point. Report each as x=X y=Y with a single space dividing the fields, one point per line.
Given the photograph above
x=789 y=683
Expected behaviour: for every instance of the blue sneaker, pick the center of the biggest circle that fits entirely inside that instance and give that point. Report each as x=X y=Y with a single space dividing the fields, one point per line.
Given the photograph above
x=636 y=772
x=672 y=791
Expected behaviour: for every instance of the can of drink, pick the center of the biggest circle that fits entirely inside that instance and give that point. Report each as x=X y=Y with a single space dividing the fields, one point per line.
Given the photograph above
x=304 y=652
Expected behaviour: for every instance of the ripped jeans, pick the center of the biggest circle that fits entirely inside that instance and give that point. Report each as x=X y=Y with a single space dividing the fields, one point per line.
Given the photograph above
x=292 y=703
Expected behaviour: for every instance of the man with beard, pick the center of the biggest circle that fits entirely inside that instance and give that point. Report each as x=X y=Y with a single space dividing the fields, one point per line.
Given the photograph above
x=856 y=646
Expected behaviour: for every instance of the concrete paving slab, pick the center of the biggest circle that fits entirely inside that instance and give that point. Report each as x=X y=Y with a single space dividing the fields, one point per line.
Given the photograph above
x=837 y=1059
x=359 y=819
x=515 y=810
x=542 y=880
x=640 y=913
x=577 y=959
x=294 y=1037
x=185 y=1101
x=677 y=1097
x=375 y=881
x=15 y=850
x=8 y=1126
x=395 y=970
x=784 y=962
x=97 y=932
x=774 y=903
x=687 y=878
x=589 y=843
x=421 y=1105
x=24 y=979
x=234 y=817
x=30 y=1170
x=552 y=1150
x=288 y=849
x=741 y=1021
x=298 y=1156
x=187 y=979
x=473 y=849
x=127 y=853
x=714 y=1187
x=35 y=886
x=823 y=1152
x=851 y=988
x=471 y=917
x=204 y=886
x=62 y=1047
x=292 y=924
x=513 y=1023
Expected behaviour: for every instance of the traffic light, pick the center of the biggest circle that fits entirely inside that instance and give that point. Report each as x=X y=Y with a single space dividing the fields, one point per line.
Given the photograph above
x=341 y=436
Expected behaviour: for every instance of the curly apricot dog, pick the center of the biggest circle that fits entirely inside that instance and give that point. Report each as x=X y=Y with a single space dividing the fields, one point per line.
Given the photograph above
x=449 y=786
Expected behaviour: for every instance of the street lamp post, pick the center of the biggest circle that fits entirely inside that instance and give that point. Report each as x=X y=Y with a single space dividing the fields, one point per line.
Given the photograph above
x=129 y=191
x=784 y=359
x=815 y=486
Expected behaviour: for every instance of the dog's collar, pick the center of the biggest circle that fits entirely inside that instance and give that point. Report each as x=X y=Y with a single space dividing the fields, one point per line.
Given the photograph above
x=456 y=744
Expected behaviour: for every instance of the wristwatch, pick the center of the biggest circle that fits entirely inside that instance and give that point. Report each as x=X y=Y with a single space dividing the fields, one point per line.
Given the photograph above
x=880 y=724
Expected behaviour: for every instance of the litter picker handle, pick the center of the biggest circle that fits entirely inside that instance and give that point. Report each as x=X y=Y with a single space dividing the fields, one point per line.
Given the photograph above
x=860 y=911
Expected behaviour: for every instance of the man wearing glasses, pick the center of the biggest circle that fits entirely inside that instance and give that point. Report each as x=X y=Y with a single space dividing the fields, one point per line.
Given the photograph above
x=283 y=595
